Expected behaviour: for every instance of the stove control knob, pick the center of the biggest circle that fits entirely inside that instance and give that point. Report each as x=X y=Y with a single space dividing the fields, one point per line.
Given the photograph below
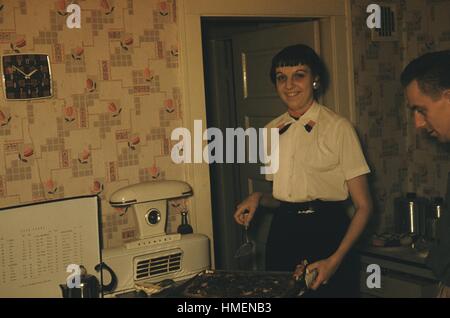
x=153 y=216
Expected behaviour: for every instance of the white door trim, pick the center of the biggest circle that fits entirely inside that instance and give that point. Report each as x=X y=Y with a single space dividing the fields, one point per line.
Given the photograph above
x=190 y=13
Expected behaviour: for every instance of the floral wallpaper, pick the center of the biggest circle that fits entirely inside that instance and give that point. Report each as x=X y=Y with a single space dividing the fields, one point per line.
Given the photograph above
x=117 y=97
x=116 y=100
x=401 y=159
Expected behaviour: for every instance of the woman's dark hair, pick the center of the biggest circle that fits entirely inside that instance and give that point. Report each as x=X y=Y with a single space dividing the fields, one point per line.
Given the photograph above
x=301 y=54
x=432 y=72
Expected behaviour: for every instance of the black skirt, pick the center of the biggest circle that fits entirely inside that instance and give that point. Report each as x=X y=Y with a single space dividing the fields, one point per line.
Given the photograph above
x=295 y=236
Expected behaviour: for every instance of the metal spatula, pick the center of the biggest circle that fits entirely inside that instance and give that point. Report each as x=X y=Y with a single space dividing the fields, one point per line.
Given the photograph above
x=247 y=248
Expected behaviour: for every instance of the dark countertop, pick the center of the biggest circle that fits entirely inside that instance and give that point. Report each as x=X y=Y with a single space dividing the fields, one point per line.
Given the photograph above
x=230 y=284
x=405 y=254
x=400 y=259
x=399 y=253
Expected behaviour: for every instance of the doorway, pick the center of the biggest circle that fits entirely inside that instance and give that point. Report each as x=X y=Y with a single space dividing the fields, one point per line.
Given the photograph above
x=335 y=43
x=237 y=54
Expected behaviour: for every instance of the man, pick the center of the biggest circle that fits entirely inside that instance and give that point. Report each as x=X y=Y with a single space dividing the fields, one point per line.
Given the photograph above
x=427 y=86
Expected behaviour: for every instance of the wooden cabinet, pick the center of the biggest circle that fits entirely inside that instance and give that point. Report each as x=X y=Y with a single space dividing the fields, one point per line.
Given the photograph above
x=403 y=274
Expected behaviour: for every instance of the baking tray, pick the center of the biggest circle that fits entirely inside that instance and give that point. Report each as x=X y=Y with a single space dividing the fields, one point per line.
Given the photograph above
x=237 y=284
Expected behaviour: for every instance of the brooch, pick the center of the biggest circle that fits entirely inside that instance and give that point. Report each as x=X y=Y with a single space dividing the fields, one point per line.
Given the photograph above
x=309 y=126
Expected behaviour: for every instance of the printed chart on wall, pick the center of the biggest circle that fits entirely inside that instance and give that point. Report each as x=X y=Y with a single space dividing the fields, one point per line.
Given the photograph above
x=38 y=242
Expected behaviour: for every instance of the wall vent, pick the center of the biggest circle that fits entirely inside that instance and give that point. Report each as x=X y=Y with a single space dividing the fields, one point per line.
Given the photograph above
x=389 y=24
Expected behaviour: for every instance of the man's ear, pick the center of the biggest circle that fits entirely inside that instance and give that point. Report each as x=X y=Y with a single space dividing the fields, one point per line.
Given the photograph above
x=446 y=94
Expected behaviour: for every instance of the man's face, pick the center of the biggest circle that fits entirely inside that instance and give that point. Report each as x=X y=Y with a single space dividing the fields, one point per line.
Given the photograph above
x=430 y=114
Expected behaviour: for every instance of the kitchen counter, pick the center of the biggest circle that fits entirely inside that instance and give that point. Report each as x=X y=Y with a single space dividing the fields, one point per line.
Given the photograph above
x=405 y=254
x=403 y=272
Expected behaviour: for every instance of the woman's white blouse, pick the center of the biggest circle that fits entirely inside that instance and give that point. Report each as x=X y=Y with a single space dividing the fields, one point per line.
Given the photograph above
x=315 y=164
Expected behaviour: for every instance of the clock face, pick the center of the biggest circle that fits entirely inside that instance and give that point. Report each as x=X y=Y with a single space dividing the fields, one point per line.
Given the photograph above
x=26 y=76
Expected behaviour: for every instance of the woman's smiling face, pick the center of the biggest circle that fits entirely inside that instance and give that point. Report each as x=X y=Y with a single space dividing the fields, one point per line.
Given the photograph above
x=295 y=86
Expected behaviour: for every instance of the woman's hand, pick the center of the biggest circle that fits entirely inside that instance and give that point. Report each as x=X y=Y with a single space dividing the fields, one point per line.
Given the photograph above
x=325 y=269
x=246 y=209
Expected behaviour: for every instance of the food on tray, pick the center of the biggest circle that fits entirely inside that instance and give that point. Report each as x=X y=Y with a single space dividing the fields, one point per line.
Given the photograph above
x=153 y=288
x=217 y=284
x=148 y=288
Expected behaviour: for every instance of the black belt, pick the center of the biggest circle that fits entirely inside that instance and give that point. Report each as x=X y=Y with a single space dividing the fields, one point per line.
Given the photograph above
x=310 y=206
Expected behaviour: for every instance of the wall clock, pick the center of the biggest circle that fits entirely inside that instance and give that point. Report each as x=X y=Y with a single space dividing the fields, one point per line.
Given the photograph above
x=26 y=76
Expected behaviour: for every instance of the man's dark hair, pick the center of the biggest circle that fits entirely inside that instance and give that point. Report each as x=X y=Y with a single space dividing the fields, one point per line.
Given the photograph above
x=432 y=72
x=301 y=54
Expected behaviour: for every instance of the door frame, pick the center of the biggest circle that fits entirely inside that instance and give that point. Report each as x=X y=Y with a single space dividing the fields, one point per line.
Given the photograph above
x=336 y=23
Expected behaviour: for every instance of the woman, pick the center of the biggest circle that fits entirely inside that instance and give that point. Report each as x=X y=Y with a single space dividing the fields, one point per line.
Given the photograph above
x=320 y=164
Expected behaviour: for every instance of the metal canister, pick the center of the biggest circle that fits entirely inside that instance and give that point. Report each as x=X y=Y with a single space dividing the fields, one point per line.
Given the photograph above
x=410 y=214
x=434 y=214
x=412 y=220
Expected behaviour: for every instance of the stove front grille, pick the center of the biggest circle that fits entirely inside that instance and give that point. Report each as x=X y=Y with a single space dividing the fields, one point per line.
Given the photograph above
x=154 y=265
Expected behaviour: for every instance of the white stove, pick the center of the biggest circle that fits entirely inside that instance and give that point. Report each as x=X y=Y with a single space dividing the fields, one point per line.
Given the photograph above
x=155 y=255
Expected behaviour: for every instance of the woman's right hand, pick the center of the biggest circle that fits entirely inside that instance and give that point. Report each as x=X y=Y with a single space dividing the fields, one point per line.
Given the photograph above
x=246 y=209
